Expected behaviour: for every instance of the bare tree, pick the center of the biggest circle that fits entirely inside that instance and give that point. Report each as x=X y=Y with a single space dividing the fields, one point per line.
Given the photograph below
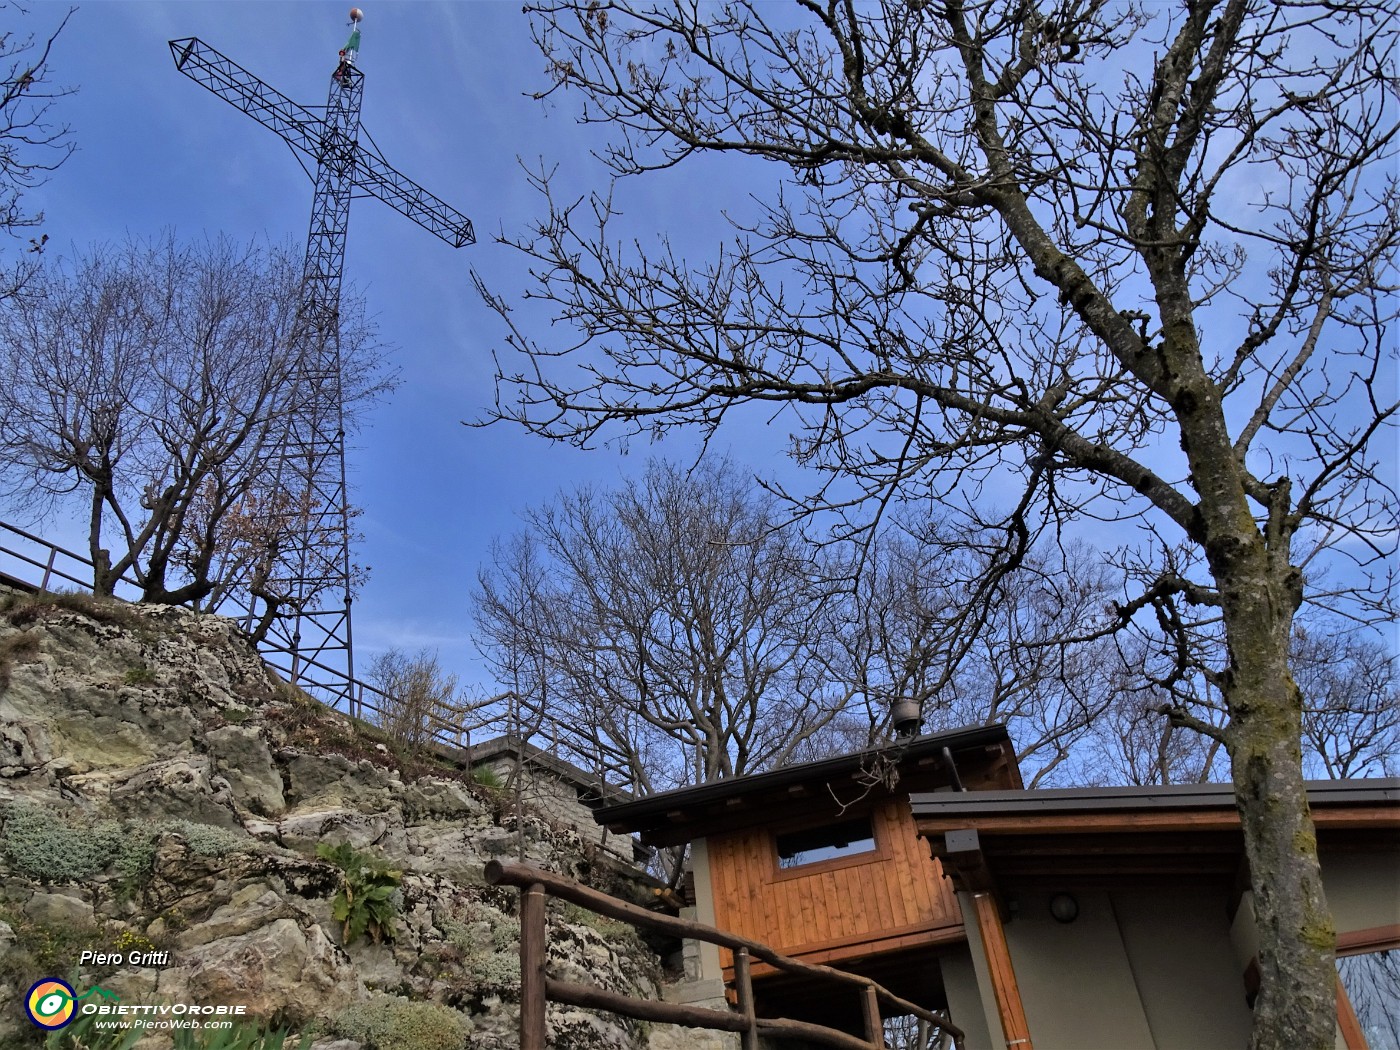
x=1131 y=743
x=32 y=145
x=1351 y=717
x=920 y=625
x=420 y=697
x=149 y=383
x=1109 y=261
x=671 y=622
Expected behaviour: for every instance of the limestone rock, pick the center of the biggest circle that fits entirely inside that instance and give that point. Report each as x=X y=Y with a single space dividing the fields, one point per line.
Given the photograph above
x=59 y=909
x=183 y=785
x=23 y=747
x=338 y=825
x=195 y=789
x=280 y=970
x=241 y=754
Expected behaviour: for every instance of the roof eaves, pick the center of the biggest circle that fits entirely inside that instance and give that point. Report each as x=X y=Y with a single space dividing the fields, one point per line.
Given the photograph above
x=1173 y=796
x=639 y=812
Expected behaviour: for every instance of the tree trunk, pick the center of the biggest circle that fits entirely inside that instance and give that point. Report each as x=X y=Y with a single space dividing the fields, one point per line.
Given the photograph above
x=1260 y=590
x=1296 y=1007
x=103 y=579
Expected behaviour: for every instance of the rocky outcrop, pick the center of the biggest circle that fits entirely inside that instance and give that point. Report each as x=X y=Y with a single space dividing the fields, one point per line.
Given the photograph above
x=162 y=801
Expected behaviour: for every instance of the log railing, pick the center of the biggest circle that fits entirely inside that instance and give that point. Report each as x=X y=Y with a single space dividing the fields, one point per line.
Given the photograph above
x=537 y=988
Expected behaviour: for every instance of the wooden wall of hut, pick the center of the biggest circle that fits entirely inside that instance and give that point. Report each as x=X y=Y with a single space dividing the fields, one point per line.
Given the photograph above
x=892 y=898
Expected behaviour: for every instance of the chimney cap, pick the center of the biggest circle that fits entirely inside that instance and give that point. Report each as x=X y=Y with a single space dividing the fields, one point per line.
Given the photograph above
x=907 y=717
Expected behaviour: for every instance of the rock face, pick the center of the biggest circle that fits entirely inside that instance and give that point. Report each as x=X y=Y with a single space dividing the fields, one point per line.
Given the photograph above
x=162 y=798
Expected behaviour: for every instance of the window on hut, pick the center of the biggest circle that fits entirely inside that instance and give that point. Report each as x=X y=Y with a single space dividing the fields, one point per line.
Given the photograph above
x=825 y=843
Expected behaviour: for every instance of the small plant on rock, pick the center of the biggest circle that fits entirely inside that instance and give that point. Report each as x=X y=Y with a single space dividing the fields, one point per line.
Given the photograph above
x=488 y=778
x=40 y=947
x=139 y=675
x=389 y=1022
x=365 y=902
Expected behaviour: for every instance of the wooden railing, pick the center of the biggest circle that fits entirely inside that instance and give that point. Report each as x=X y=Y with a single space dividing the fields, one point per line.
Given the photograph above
x=537 y=988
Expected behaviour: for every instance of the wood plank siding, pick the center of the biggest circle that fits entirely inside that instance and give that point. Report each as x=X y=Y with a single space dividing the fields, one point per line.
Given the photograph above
x=893 y=897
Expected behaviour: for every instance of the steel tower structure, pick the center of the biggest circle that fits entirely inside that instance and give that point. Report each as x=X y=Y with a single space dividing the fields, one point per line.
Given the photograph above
x=312 y=625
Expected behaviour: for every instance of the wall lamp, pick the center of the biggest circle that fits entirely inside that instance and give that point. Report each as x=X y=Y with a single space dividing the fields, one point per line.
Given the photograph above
x=1064 y=908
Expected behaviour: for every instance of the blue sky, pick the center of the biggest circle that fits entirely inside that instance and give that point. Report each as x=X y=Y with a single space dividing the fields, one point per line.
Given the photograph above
x=447 y=101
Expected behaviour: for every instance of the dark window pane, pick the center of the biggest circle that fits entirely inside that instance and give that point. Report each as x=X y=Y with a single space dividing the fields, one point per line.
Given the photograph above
x=833 y=840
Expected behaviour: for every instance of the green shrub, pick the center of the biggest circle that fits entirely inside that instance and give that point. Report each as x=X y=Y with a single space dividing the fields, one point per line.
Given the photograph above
x=495 y=973
x=209 y=840
x=486 y=946
x=58 y=848
x=389 y=1022
x=366 y=900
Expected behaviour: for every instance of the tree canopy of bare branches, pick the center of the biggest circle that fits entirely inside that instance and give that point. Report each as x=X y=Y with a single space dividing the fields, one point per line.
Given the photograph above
x=920 y=624
x=670 y=621
x=146 y=386
x=32 y=143
x=1038 y=263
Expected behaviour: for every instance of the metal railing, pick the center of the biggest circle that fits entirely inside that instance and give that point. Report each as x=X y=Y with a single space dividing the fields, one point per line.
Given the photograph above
x=29 y=556
x=537 y=988
x=46 y=566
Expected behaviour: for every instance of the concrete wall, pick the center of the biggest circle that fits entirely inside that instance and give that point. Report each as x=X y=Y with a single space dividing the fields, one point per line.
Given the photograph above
x=1143 y=970
x=1150 y=969
x=556 y=798
x=1178 y=945
x=1076 y=981
x=964 y=1000
x=1363 y=889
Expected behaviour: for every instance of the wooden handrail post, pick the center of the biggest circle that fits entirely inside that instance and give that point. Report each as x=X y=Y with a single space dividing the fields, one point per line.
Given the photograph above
x=870 y=1007
x=532 y=957
x=743 y=988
